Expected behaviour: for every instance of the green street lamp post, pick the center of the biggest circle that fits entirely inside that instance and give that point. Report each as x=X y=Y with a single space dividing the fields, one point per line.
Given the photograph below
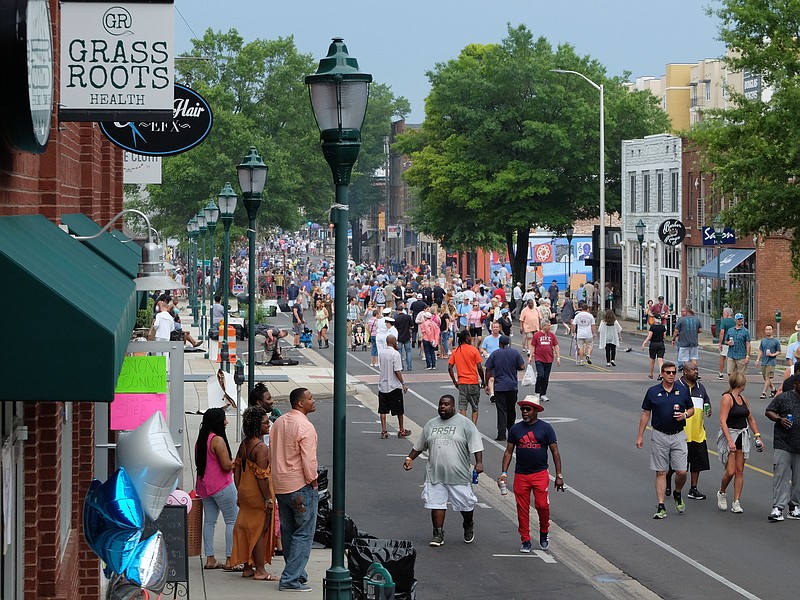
x=227 y=206
x=191 y=228
x=252 y=174
x=640 y=229
x=570 y=233
x=339 y=93
x=201 y=221
x=719 y=232
x=211 y=213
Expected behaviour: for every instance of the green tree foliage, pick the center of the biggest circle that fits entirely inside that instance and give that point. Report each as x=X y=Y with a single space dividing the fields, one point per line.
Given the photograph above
x=257 y=93
x=752 y=147
x=508 y=145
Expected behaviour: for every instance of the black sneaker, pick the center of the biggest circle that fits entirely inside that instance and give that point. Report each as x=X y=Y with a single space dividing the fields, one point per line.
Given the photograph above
x=668 y=491
x=469 y=533
x=588 y=360
x=438 y=537
x=696 y=494
x=720 y=376
x=544 y=540
x=661 y=512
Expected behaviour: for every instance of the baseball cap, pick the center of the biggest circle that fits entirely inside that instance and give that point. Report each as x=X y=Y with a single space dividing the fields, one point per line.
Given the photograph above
x=387 y=311
x=661 y=297
x=531 y=401
x=504 y=340
x=738 y=316
x=503 y=311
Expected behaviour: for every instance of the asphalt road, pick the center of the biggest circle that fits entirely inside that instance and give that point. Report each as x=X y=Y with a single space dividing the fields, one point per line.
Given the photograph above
x=606 y=511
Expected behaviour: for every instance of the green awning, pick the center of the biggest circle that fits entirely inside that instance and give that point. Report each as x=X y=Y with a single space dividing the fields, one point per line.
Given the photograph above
x=107 y=246
x=67 y=339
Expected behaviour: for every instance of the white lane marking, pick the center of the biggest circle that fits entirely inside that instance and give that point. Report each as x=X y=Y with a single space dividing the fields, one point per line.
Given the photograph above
x=634 y=528
x=547 y=558
x=364 y=422
x=482 y=505
x=557 y=419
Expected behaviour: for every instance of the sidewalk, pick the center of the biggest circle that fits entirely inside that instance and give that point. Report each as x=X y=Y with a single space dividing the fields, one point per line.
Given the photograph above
x=317 y=376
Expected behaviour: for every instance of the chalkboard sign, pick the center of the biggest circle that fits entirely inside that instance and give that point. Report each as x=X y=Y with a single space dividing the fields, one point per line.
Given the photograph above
x=172 y=524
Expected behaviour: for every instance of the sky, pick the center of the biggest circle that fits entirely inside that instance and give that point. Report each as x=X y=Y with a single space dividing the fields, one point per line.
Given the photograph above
x=398 y=42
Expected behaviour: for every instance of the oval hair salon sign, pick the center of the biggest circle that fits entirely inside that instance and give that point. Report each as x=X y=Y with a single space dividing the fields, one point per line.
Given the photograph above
x=190 y=124
x=672 y=232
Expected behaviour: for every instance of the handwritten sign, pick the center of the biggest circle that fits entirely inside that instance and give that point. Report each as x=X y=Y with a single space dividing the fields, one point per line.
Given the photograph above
x=128 y=411
x=172 y=525
x=143 y=374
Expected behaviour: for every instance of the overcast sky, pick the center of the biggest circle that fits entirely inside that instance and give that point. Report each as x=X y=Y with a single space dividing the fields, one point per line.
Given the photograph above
x=399 y=41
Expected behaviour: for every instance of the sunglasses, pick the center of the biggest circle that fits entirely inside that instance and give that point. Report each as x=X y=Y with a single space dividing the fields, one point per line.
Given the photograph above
x=522 y=408
x=669 y=372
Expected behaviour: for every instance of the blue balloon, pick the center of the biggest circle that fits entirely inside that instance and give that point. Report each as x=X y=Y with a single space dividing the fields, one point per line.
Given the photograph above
x=148 y=564
x=113 y=520
x=117 y=500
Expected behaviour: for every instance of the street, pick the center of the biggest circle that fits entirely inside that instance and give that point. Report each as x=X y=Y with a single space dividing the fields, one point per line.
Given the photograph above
x=607 y=508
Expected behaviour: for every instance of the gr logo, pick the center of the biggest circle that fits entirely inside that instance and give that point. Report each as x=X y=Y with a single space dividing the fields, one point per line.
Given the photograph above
x=117 y=21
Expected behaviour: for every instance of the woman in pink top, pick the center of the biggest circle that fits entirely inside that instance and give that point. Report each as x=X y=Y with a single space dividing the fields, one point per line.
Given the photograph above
x=430 y=340
x=212 y=453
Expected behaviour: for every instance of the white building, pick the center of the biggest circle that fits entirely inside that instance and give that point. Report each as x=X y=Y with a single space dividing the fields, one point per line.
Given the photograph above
x=651 y=191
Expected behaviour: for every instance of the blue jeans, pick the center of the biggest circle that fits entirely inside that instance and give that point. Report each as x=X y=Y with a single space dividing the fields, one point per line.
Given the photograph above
x=298 y=512
x=405 y=353
x=430 y=354
x=446 y=342
x=223 y=501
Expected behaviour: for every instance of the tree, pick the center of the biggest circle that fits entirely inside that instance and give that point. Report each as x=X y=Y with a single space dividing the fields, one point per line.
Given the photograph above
x=752 y=146
x=257 y=93
x=507 y=145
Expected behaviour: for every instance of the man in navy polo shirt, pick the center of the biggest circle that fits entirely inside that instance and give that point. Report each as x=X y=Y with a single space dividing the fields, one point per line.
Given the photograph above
x=669 y=406
x=502 y=366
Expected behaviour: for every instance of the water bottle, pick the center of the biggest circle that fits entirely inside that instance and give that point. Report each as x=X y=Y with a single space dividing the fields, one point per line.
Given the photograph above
x=474 y=476
x=759 y=445
x=503 y=485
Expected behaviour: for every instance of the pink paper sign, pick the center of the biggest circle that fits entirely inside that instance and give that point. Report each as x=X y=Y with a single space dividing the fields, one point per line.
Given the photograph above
x=128 y=411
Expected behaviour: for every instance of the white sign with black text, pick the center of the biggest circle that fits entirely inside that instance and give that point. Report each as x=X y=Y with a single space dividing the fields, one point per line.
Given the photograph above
x=116 y=58
x=141 y=169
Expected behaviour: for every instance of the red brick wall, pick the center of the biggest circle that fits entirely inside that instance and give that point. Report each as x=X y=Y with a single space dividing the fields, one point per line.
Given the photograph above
x=81 y=171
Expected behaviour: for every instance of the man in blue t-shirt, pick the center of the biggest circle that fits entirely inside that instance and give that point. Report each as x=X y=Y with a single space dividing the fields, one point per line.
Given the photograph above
x=669 y=406
x=768 y=351
x=532 y=438
x=501 y=368
x=738 y=341
x=687 y=329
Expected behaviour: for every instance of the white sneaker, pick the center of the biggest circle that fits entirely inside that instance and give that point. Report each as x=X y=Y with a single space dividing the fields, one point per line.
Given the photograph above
x=544 y=398
x=722 y=502
x=794 y=513
x=777 y=514
x=736 y=507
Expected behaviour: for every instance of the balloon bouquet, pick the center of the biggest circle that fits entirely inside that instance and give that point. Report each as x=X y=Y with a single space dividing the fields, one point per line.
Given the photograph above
x=114 y=511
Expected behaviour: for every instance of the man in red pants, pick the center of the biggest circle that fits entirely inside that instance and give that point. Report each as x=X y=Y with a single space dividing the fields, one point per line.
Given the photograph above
x=532 y=438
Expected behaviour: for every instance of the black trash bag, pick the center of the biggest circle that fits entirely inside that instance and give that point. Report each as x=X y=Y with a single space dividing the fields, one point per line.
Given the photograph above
x=352 y=532
x=323 y=535
x=322 y=479
x=397 y=556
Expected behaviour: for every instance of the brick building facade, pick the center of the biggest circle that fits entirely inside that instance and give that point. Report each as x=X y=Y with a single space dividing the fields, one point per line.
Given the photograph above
x=49 y=446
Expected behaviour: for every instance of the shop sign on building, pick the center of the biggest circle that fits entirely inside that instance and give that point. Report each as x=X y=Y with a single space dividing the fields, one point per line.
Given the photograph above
x=671 y=232
x=140 y=169
x=117 y=60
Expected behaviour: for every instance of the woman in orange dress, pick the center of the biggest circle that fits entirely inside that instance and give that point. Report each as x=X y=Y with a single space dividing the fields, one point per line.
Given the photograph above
x=254 y=532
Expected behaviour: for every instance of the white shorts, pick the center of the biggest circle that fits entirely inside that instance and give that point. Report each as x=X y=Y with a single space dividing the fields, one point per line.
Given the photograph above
x=436 y=495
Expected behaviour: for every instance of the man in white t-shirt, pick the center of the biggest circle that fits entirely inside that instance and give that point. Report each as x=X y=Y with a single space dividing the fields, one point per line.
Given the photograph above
x=449 y=439
x=584 y=329
x=164 y=323
x=391 y=387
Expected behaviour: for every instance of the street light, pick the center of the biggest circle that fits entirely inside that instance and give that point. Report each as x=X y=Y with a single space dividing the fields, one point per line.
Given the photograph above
x=252 y=174
x=602 y=240
x=718 y=235
x=570 y=233
x=227 y=206
x=211 y=213
x=201 y=222
x=339 y=93
x=640 y=227
x=192 y=229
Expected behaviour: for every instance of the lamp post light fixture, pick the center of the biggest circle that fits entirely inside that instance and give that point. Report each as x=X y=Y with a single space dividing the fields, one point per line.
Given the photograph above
x=719 y=231
x=211 y=213
x=570 y=232
x=640 y=229
x=201 y=222
x=252 y=174
x=227 y=205
x=602 y=240
x=339 y=94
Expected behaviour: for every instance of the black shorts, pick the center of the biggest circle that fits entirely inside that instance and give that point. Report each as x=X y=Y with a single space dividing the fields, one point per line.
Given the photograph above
x=475 y=332
x=391 y=402
x=698 y=456
x=656 y=350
